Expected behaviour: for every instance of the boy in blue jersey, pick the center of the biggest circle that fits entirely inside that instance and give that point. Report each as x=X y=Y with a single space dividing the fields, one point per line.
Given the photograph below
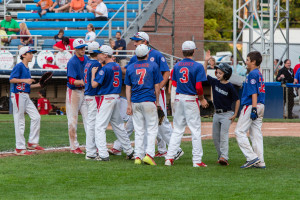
x=252 y=102
x=142 y=91
x=75 y=93
x=224 y=95
x=165 y=129
x=188 y=76
x=109 y=81
x=20 y=77
x=91 y=99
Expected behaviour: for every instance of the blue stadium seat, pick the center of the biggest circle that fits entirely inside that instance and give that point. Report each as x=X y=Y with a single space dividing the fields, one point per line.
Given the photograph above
x=79 y=24
x=106 y=1
x=13 y=45
x=48 y=44
x=100 y=41
x=69 y=33
x=70 y=15
x=109 y=6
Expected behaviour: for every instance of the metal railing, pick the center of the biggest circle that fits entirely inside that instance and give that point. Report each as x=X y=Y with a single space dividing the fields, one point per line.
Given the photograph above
x=35 y=44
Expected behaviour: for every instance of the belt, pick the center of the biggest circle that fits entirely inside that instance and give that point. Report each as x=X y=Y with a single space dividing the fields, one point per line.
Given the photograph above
x=221 y=110
x=186 y=94
x=79 y=88
x=24 y=92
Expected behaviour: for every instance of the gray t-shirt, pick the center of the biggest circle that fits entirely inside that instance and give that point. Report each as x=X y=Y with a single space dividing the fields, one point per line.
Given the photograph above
x=62 y=2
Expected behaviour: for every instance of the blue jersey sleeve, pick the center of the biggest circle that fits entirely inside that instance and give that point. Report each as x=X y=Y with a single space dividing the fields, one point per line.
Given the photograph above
x=99 y=78
x=201 y=76
x=161 y=61
x=297 y=75
x=252 y=84
x=132 y=60
x=157 y=75
x=174 y=78
x=16 y=72
x=211 y=80
x=127 y=78
x=72 y=70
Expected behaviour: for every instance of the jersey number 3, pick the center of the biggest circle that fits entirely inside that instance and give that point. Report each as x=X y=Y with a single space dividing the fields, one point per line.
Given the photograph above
x=116 y=82
x=142 y=73
x=185 y=75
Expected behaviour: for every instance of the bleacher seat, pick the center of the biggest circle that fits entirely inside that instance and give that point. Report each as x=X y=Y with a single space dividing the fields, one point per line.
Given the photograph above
x=71 y=24
x=68 y=33
x=100 y=41
x=71 y=15
x=13 y=45
x=109 y=6
x=48 y=44
x=106 y=1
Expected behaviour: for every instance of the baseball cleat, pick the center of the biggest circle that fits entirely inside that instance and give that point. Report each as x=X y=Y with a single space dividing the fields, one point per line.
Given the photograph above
x=114 y=151
x=138 y=161
x=158 y=154
x=260 y=165
x=223 y=161
x=169 y=162
x=91 y=157
x=202 y=164
x=250 y=163
x=179 y=154
x=77 y=151
x=98 y=158
x=34 y=146
x=130 y=156
x=148 y=160
x=23 y=152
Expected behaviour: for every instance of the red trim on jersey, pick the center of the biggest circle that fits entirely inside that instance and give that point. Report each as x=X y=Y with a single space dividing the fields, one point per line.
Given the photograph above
x=81 y=58
x=70 y=94
x=163 y=96
x=17 y=99
x=174 y=83
x=99 y=103
x=197 y=101
x=246 y=109
x=199 y=88
x=72 y=80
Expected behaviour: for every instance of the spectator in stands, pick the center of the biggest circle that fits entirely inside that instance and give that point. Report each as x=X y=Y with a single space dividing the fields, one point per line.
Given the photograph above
x=276 y=69
x=286 y=75
x=65 y=44
x=76 y=6
x=59 y=36
x=240 y=70
x=120 y=45
x=10 y=26
x=101 y=13
x=92 y=3
x=49 y=64
x=112 y=44
x=3 y=37
x=44 y=106
x=212 y=63
x=90 y=35
x=25 y=40
x=63 y=6
x=45 y=5
x=297 y=67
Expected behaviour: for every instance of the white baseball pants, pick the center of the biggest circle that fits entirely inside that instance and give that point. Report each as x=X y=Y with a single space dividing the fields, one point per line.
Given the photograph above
x=244 y=124
x=173 y=95
x=108 y=111
x=187 y=113
x=74 y=103
x=129 y=129
x=145 y=119
x=21 y=104
x=91 y=149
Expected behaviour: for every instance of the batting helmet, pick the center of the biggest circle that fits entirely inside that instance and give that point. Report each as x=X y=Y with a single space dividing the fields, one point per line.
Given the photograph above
x=224 y=67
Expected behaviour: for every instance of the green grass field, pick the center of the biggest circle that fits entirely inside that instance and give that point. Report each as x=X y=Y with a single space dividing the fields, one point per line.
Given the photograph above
x=68 y=176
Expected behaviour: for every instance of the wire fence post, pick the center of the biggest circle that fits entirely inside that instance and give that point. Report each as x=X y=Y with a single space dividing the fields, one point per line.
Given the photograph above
x=125 y=16
x=109 y=29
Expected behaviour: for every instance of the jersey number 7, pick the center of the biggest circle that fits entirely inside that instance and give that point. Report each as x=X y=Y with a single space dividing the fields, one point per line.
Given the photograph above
x=185 y=75
x=142 y=73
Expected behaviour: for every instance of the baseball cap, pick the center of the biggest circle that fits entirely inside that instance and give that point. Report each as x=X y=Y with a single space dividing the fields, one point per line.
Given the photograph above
x=7 y=14
x=141 y=50
x=188 y=45
x=105 y=49
x=93 y=47
x=140 y=36
x=24 y=50
x=49 y=58
x=79 y=43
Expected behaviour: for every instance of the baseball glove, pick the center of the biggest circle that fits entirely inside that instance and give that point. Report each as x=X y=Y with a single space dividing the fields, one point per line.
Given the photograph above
x=161 y=115
x=45 y=78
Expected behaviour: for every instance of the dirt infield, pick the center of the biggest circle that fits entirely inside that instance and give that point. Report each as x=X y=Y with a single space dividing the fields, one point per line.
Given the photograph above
x=268 y=129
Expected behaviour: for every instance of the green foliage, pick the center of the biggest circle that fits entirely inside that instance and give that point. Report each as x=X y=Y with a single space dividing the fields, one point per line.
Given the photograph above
x=294 y=13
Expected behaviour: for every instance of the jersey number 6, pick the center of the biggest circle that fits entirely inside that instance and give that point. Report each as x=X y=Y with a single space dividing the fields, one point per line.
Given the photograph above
x=185 y=75
x=142 y=73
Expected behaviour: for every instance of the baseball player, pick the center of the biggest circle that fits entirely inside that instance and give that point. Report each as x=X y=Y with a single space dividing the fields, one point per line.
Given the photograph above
x=91 y=99
x=75 y=93
x=188 y=76
x=109 y=80
x=165 y=129
x=142 y=81
x=224 y=95
x=252 y=102
x=20 y=77
x=44 y=105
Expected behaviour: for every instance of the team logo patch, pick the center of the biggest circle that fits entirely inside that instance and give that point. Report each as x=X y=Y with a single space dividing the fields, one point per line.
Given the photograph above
x=152 y=59
x=101 y=72
x=163 y=59
x=80 y=41
x=253 y=81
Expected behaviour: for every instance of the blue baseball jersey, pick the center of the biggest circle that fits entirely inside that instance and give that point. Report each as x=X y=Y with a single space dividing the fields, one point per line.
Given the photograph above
x=297 y=76
x=154 y=56
x=109 y=78
x=142 y=76
x=75 y=69
x=224 y=94
x=89 y=90
x=254 y=84
x=187 y=73
x=20 y=71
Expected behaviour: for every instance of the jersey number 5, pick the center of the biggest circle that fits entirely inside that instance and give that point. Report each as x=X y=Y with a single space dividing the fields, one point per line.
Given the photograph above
x=142 y=73
x=185 y=75
x=116 y=82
